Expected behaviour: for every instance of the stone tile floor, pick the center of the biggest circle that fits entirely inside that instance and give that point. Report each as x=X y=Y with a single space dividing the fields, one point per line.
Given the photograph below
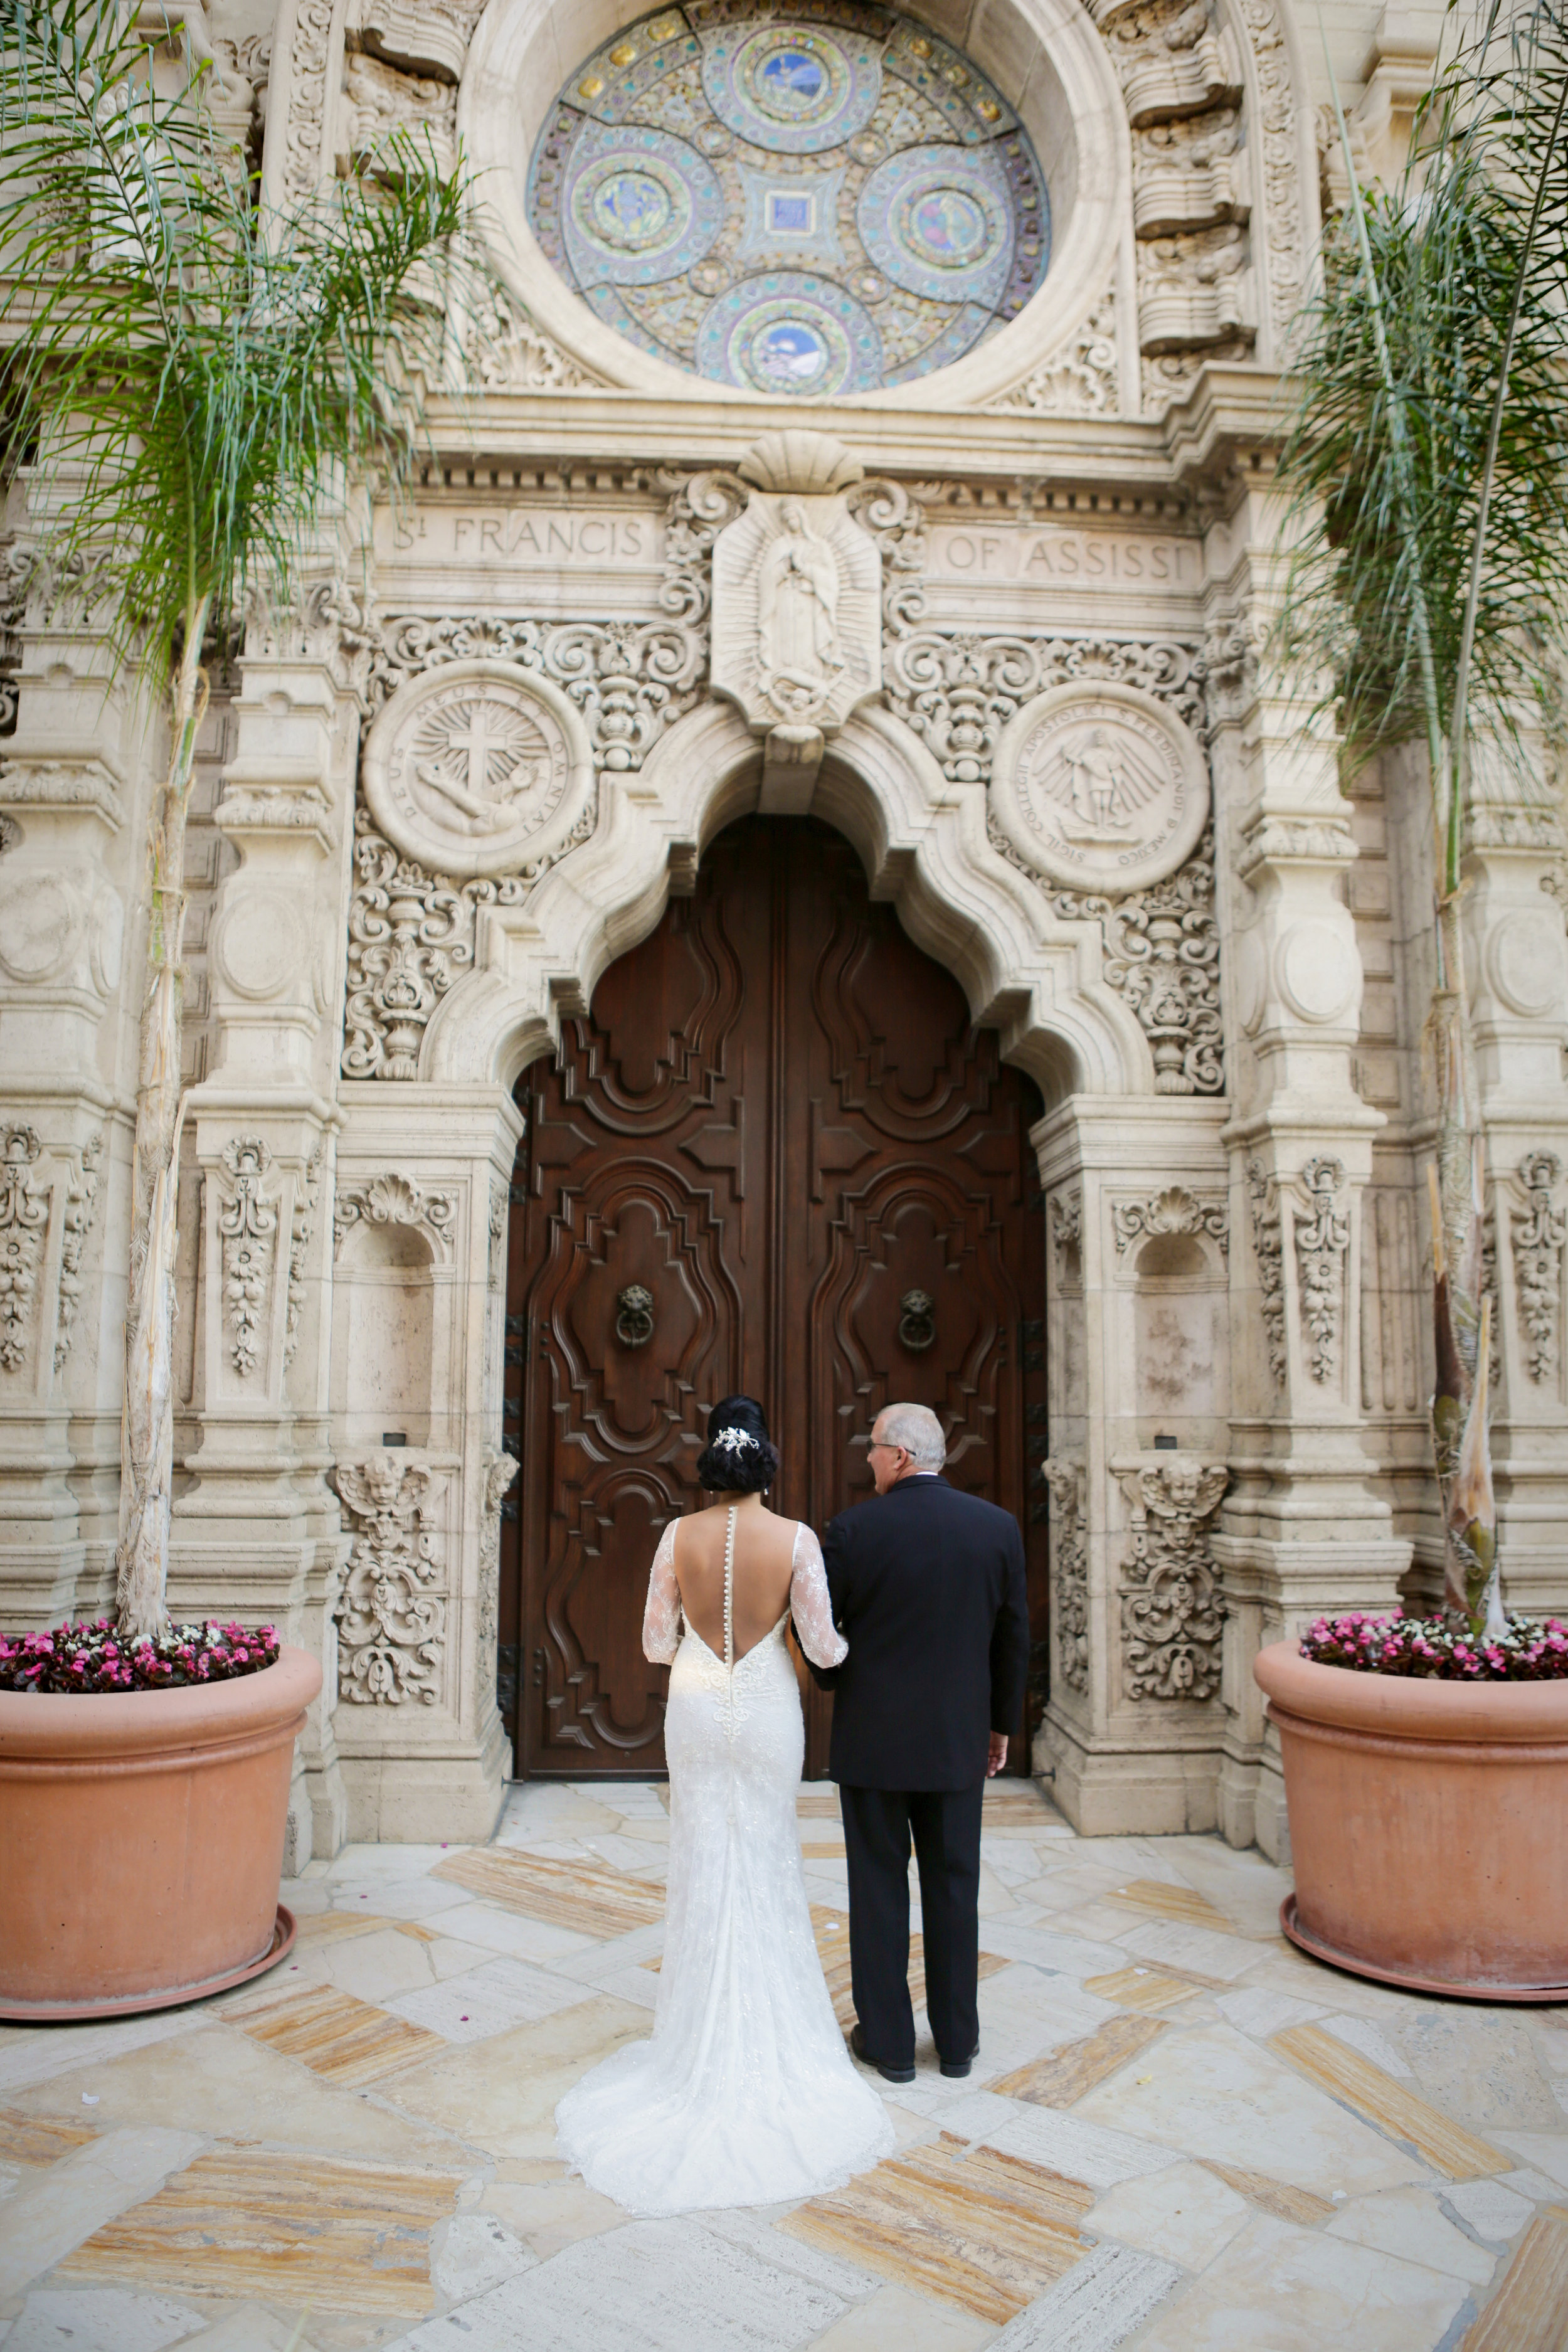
x=1180 y=2134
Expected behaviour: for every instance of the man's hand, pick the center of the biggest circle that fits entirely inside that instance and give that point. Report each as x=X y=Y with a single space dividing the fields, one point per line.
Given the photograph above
x=998 y=1756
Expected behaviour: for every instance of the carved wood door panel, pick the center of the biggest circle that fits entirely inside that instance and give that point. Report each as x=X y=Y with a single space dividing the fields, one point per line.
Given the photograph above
x=775 y=1156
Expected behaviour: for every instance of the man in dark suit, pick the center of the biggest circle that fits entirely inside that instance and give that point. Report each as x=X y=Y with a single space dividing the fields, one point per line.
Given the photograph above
x=927 y=1589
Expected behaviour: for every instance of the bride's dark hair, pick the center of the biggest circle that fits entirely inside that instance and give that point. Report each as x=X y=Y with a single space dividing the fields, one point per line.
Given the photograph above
x=740 y=1458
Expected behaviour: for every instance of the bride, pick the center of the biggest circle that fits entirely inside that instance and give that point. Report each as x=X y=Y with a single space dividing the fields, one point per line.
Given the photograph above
x=745 y=2095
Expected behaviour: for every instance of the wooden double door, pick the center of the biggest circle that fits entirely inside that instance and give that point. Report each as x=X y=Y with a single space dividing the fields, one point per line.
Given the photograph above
x=775 y=1156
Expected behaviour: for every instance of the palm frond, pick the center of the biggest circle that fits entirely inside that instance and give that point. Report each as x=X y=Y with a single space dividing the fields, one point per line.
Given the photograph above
x=195 y=379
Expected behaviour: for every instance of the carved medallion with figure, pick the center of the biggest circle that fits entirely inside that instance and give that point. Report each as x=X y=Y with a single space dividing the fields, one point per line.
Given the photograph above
x=1101 y=786
x=479 y=767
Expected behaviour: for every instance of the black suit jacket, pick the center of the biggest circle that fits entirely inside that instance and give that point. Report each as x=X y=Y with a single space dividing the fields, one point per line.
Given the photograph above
x=927 y=1589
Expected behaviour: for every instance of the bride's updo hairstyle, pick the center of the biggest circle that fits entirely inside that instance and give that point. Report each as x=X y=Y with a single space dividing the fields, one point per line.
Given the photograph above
x=740 y=1458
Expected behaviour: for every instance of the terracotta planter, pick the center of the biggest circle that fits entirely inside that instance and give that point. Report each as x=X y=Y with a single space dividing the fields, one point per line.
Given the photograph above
x=142 y=1836
x=1428 y=1826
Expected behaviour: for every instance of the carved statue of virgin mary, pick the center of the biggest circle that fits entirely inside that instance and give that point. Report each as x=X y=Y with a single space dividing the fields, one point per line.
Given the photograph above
x=797 y=602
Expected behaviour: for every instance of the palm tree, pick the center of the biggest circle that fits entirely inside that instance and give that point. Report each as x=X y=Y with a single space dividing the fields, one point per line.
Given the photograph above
x=195 y=384
x=1427 y=466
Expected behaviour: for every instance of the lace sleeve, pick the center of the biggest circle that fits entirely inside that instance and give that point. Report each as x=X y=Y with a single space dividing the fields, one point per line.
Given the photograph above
x=810 y=1604
x=661 y=1618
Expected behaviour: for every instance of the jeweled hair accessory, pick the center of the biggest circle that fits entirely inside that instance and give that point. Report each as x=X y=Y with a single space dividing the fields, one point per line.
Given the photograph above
x=735 y=1441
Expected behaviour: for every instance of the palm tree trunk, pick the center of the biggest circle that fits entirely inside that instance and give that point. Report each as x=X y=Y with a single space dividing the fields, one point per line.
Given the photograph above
x=1461 y=1446
x=147 y=1418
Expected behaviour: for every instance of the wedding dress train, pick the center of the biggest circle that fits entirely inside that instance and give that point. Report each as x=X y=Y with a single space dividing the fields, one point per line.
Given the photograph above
x=746 y=2094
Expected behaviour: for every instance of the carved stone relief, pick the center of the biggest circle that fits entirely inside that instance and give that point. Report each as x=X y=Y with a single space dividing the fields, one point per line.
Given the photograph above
x=1322 y=1236
x=1069 y=1568
x=391 y=1618
x=1268 y=1248
x=506 y=350
x=797 y=625
x=24 y=1219
x=1174 y=1210
x=477 y=767
x=301 y=1233
x=247 y=1225
x=380 y=101
x=1067 y=1236
x=394 y=1200
x=76 y=1226
x=1099 y=787
x=1540 y=1229
x=501 y=1469
x=1171 y=1614
x=1079 y=378
x=958 y=690
x=307 y=97
x=421 y=37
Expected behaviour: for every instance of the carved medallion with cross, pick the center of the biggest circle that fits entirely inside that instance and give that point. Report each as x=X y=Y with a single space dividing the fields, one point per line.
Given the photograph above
x=479 y=767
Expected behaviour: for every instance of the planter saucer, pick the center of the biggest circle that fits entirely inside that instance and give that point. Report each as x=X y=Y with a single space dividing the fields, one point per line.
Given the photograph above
x=44 y=2013
x=1314 y=1945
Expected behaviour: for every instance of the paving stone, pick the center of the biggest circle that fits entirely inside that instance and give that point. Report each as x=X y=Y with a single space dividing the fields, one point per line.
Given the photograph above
x=1095 y=2308
x=58 y=2208
x=101 y=2319
x=654 y=2286
x=474 y=2253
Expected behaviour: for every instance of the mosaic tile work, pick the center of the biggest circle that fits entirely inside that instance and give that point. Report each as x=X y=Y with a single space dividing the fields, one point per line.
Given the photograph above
x=810 y=201
x=1249 y=2153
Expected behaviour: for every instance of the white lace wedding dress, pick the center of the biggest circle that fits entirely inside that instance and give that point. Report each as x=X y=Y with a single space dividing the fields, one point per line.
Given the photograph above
x=746 y=2094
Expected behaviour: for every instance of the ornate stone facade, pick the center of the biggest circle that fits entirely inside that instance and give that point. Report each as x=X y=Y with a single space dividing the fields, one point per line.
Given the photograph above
x=1006 y=627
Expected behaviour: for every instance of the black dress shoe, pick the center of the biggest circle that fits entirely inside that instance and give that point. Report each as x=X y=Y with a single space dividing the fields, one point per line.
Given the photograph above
x=957 y=2072
x=888 y=2074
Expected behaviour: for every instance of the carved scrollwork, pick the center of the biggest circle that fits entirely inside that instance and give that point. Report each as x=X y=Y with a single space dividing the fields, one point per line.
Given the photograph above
x=1323 y=1238
x=957 y=690
x=81 y=1202
x=1539 y=1230
x=634 y=1314
x=1070 y=1567
x=1174 y=1210
x=1079 y=378
x=301 y=1231
x=1268 y=1249
x=247 y=1224
x=391 y=1622
x=24 y=1219
x=1171 y=1613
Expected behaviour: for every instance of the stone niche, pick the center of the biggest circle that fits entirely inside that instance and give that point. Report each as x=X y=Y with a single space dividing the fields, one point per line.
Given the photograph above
x=392 y=1329
x=1170 y=1304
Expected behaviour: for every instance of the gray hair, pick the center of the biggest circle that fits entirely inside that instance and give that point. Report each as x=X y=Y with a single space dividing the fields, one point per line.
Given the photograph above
x=917 y=1429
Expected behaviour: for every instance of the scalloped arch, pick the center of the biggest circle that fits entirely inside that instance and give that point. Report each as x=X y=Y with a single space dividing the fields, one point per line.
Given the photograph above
x=923 y=843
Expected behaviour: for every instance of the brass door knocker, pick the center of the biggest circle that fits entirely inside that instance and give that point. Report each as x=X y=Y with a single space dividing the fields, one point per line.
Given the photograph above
x=633 y=1316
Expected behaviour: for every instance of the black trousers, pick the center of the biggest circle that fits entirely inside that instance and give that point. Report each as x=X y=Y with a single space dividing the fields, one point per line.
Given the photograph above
x=945 y=1826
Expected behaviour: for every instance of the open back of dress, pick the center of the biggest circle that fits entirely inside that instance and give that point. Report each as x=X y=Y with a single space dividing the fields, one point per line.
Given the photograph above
x=746 y=2094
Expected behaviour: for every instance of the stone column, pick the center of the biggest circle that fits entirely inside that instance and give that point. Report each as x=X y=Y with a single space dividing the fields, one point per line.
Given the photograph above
x=423 y=1180
x=1139 y=1240
x=74 y=793
x=258 y=1534
x=1306 y=1526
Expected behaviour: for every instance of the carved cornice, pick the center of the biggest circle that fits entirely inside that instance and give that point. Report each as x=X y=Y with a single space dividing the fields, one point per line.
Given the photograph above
x=1174 y=1210
x=393 y=1199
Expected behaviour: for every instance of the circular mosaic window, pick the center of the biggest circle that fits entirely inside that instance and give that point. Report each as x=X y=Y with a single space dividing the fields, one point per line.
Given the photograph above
x=811 y=201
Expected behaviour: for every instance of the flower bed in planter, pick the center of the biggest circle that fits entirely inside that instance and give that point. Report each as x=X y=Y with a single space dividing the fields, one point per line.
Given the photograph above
x=95 y=1657
x=143 y=1831
x=1427 y=1818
